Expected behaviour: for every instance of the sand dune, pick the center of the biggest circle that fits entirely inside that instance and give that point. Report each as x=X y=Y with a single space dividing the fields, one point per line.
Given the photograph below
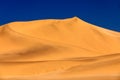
x=58 y=49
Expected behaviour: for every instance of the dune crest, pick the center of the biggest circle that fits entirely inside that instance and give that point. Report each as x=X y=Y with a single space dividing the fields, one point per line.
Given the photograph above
x=58 y=49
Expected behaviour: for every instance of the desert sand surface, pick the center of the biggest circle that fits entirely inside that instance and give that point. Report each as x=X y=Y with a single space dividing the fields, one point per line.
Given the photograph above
x=58 y=49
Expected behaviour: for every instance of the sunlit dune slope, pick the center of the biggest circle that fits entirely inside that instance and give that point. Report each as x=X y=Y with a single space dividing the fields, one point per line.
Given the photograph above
x=58 y=49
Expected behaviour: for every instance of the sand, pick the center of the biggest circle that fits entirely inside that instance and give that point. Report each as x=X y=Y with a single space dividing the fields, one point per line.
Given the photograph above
x=58 y=49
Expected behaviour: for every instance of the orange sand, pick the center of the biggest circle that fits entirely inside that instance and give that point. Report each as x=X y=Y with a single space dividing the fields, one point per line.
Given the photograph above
x=58 y=49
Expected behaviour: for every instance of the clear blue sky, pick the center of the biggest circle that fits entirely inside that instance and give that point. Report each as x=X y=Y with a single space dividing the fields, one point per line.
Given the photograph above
x=104 y=13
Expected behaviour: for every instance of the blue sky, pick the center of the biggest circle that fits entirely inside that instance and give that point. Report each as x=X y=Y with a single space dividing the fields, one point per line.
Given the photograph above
x=104 y=13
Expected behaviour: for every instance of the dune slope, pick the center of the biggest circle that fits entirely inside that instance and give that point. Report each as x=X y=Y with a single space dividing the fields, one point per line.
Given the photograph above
x=58 y=49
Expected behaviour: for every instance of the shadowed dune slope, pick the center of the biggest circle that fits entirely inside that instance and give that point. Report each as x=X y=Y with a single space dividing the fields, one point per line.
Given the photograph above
x=58 y=49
